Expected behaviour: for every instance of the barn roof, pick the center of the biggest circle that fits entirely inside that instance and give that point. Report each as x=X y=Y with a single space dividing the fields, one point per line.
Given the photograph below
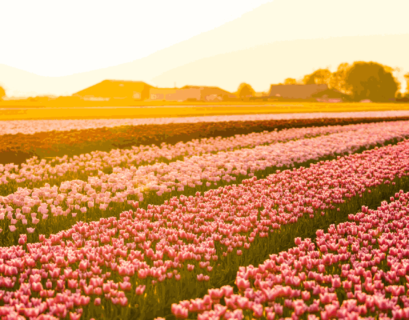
x=206 y=87
x=113 y=88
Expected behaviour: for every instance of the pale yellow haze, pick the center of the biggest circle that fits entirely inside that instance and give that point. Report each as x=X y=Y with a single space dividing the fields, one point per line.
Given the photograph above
x=60 y=47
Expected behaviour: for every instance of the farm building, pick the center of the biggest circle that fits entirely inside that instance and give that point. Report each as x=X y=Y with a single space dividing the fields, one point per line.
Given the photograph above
x=174 y=94
x=212 y=93
x=161 y=93
x=115 y=89
x=296 y=91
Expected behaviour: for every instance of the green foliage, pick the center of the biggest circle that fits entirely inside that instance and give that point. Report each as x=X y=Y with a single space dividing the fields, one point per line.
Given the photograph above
x=361 y=80
x=321 y=76
x=290 y=81
x=337 y=80
x=245 y=91
x=371 y=80
x=407 y=84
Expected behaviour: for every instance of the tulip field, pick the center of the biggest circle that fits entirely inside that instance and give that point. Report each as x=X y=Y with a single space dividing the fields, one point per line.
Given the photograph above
x=358 y=269
x=298 y=218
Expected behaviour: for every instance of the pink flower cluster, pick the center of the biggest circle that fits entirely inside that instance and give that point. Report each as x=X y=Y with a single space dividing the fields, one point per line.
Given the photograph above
x=33 y=126
x=36 y=171
x=126 y=185
x=358 y=269
x=78 y=266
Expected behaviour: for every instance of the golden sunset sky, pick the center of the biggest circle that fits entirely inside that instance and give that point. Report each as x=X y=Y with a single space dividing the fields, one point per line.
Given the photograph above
x=60 y=47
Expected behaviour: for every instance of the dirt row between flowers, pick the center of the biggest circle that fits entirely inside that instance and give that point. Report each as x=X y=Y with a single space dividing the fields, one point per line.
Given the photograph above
x=18 y=148
x=348 y=183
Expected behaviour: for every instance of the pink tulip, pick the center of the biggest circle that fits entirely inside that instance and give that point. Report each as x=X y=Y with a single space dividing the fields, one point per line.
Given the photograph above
x=75 y=316
x=140 y=289
x=23 y=239
x=36 y=287
x=179 y=312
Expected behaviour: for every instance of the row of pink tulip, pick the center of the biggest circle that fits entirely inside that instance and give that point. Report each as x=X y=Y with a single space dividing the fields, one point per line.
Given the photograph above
x=33 y=126
x=357 y=269
x=186 y=238
x=121 y=188
x=39 y=172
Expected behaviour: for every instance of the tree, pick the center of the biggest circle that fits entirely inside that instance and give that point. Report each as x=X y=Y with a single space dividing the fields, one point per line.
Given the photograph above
x=407 y=83
x=337 y=80
x=320 y=76
x=371 y=80
x=2 y=93
x=245 y=91
x=290 y=81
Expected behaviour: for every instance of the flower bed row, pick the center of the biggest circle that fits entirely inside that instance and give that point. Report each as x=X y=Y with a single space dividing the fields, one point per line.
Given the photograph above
x=34 y=173
x=17 y=148
x=138 y=265
x=60 y=207
x=34 y=126
x=355 y=270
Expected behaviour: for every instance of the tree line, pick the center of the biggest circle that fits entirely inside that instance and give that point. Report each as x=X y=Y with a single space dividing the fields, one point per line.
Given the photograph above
x=357 y=81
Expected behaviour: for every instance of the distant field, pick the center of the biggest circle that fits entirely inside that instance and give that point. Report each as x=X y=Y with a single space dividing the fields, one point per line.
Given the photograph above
x=189 y=110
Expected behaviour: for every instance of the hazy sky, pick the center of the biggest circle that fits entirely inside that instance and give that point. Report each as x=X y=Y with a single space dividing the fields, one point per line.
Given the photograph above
x=62 y=46
x=62 y=37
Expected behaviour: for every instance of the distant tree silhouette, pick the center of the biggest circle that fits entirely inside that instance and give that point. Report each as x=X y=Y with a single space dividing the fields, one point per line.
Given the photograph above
x=290 y=81
x=245 y=91
x=371 y=80
x=2 y=93
x=407 y=84
x=337 y=80
x=320 y=76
